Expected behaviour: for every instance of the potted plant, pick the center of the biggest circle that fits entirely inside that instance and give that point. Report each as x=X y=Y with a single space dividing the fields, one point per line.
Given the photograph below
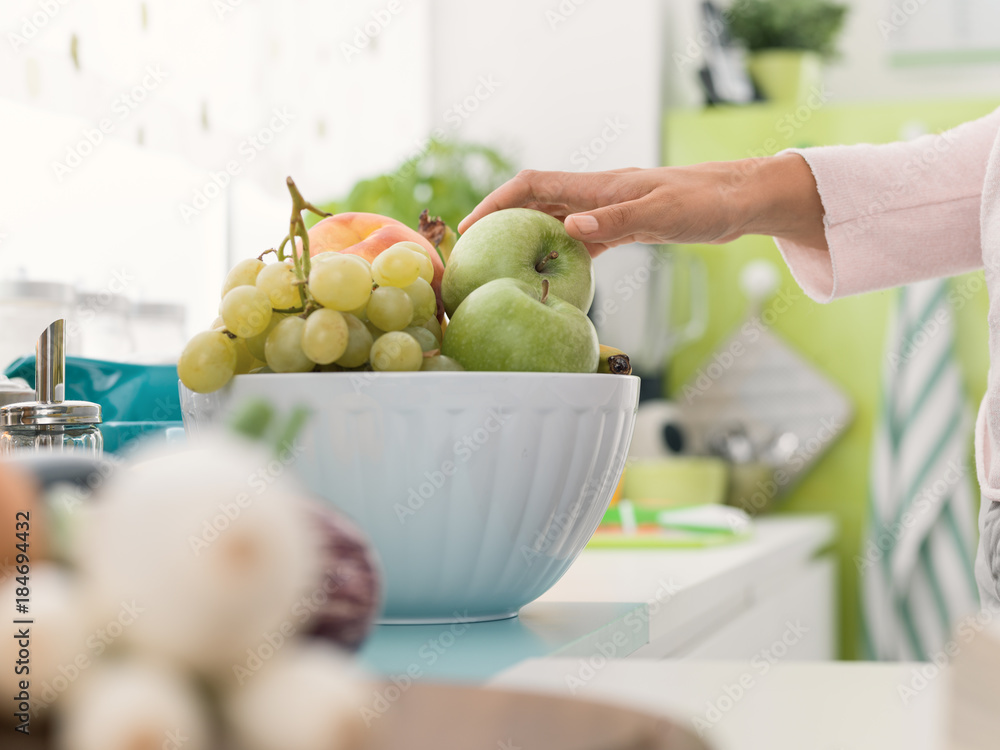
x=449 y=176
x=788 y=42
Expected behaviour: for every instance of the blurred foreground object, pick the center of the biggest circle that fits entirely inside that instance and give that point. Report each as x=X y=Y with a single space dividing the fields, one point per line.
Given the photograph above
x=973 y=721
x=191 y=580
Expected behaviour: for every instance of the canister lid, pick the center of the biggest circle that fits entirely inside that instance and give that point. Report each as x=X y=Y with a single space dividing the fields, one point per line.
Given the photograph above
x=30 y=413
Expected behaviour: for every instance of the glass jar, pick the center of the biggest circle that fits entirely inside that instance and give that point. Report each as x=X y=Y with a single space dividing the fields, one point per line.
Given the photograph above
x=60 y=427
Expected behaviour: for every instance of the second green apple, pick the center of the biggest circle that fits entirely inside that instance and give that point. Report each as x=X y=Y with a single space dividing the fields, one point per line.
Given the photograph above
x=506 y=326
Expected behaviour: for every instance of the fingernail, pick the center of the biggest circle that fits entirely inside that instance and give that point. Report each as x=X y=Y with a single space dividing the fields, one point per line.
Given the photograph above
x=586 y=224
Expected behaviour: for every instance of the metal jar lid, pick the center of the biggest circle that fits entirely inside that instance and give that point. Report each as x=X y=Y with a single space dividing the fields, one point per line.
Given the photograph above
x=64 y=413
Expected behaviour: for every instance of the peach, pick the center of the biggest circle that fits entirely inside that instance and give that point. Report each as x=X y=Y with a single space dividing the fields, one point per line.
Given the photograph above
x=368 y=235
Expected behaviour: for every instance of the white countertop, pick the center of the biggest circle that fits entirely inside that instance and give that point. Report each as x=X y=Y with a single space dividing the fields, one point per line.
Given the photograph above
x=790 y=706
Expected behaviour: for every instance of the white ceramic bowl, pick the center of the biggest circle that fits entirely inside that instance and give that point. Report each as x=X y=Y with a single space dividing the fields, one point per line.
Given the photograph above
x=478 y=489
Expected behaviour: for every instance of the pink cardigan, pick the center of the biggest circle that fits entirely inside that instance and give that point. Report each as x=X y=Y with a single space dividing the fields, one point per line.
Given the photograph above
x=910 y=211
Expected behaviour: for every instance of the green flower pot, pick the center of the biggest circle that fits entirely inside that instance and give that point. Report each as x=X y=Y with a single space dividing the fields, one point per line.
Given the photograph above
x=786 y=75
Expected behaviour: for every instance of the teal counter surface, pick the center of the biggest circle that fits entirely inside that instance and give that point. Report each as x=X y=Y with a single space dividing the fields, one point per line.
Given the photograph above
x=475 y=652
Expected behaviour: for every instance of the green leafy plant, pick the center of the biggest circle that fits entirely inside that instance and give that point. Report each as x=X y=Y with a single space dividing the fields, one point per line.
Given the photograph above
x=447 y=177
x=811 y=25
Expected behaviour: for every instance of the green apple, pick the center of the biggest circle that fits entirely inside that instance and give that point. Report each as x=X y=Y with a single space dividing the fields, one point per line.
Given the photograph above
x=519 y=243
x=506 y=325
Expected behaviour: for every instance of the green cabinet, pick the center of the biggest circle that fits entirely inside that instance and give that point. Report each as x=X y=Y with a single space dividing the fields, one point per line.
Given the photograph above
x=844 y=338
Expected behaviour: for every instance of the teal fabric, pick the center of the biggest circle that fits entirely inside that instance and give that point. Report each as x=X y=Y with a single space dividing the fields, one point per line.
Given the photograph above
x=135 y=400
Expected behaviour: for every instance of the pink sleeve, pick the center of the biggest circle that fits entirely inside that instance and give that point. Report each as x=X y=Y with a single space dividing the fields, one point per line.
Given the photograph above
x=895 y=213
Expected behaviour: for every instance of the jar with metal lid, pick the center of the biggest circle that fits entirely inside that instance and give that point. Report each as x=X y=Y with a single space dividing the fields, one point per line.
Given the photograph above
x=50 y=424
x=63 y=426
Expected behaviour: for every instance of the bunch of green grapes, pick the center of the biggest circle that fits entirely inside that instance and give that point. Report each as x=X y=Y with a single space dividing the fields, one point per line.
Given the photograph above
x=346 y=315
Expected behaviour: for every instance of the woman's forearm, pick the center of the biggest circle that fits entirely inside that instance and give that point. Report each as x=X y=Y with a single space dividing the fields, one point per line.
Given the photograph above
x=780 y=199
x=714 y=202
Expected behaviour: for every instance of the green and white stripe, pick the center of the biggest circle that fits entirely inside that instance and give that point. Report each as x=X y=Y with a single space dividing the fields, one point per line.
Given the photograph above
x=917 y=579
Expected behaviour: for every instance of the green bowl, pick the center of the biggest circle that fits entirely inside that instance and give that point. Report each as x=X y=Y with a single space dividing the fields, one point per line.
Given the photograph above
x=676 y=481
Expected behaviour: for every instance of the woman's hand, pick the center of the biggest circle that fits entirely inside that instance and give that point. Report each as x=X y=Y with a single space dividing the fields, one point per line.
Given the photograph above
x=706 y=203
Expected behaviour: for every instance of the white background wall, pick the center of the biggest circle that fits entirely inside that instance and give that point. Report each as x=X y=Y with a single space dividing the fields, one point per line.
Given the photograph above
x=224 y=67
x=564 y=69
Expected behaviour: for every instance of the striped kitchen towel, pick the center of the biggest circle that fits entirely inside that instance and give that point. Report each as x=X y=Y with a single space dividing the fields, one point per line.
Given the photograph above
x=916 y=562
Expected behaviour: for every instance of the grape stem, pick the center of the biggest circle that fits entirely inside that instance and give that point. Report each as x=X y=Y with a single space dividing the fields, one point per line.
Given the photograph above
x=261 y=256
x=540 y=266
x=545 y=291
x=433 y=230
x=297 y=228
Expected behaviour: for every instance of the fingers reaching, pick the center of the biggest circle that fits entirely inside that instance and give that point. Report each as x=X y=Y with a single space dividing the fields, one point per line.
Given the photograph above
x=614 y=224
x=556 y=193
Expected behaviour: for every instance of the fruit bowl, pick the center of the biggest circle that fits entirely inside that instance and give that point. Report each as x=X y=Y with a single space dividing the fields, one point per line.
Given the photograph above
x=478 y=489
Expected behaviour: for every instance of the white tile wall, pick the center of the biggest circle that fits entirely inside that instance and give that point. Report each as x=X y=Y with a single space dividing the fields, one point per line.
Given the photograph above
x=227 y=66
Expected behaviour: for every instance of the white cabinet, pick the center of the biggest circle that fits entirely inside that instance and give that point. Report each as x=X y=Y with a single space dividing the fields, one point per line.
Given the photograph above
x=729 y=602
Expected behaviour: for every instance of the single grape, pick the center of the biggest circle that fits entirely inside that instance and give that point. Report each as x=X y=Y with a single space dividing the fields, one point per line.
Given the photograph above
x=426 y=267
x=208 y=361
x=246 y=311
x=425 y=338
x=284 y=347
x=341 y=283
x=361 y=313
x=374 y=330
x=390 y=308
x=277 y=281
x=243 y=273
x=255 y=344
x=396 y=351
x=323 y=256
x=218 y=324
x=359 y=343
x=434 y=326
x=440 y=363
x=397 y=265
x=324 y=339
x=245 y=361
x=331 y=254
x=424 y=301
